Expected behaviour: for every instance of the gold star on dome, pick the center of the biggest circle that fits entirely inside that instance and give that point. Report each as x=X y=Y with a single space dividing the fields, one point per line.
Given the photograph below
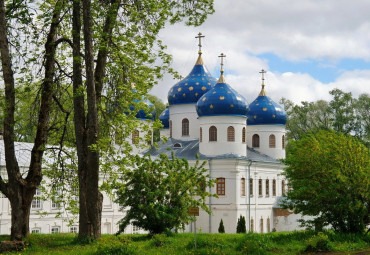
x=239 y=98
x=273 y=116
x=222 y=97
x=184 y=95
x=179 y=89
x=211 y=106
x=204 y=99
x=191 y=88
x=197 y=83
x=264 y=109
x=186 y=84
x=196 y=94
x=204 y=88
x=255 y=116
x=209 y=83
x=231 y=106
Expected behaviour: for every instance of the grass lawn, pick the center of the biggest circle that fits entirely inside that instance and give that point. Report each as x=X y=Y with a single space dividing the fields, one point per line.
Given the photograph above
x=271 y=243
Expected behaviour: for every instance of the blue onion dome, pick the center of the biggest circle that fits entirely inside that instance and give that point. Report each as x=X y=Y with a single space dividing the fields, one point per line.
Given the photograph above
x=193 y=86
x=144 y=114
x=264 y=111
x=165 y=118
x=222 y=100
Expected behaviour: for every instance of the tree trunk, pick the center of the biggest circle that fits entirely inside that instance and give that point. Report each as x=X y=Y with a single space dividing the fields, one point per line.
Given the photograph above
x=19 y=190
x=86 y=128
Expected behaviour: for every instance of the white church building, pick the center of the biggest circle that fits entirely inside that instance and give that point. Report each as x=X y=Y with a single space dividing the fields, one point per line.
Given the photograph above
x=241 y=143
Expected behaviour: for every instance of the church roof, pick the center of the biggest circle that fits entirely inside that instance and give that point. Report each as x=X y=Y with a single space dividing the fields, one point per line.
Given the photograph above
x=165 y=118
x=189 y=149
x=222 y=100
x=193 y=86
x=144 y=114
x=264 y=111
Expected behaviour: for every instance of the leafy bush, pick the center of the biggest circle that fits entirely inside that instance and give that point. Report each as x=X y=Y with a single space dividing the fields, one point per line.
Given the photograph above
x=317 y=243
x=251 y=247
x=115 y=246
x=159 y=240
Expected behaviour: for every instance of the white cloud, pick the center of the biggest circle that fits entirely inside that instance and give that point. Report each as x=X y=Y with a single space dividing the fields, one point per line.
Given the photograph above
x=293 y=30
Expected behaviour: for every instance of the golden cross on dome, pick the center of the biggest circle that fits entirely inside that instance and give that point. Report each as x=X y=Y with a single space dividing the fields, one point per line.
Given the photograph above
x=263 y=76
x=200 y=36
x=222 y=56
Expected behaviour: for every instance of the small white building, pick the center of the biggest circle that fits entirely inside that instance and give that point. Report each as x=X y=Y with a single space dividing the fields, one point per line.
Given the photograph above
x=242 y=145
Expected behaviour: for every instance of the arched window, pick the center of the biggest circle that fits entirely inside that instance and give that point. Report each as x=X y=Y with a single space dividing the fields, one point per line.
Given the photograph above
x=274 y=187
x=185 y=127
x=252 y=225
x=268 y=224
x=200 y=135
x=283 y=142
x=135 y=137
x=260 y=187
x=267 y=187
x=213 y=134
x=255 y=141
x=230 y=134
x=243 y=135
x=251 y=187
x=272 y=141
x=261 y=225
x=170 y=128
x=242 y=187
x=221 y=186
x=283 y=187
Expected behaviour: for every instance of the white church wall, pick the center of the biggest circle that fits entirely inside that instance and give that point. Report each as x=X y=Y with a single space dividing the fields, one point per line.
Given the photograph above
x=264 y=132
x=180 y=112
x=222 y=146
x=164 y=132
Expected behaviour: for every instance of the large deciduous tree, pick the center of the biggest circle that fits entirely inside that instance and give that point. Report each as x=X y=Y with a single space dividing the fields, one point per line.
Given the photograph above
x=329 y=176
x=20 y=187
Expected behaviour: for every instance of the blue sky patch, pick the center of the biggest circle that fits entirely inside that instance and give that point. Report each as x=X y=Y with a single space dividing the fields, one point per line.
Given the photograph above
x=323 y=70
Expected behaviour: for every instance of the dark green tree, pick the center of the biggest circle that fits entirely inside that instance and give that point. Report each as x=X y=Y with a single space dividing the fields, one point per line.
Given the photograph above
x=329 y=176
x=158 y=192
x=221 y=228
x=241 y=225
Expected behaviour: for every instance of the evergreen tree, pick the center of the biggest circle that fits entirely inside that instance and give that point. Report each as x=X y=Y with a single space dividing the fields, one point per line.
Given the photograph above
x=221 y=228
x=240 y=227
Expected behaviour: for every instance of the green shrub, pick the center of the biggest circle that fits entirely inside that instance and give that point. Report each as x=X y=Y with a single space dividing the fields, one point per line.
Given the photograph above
x=317 y=243
x=115 y=246
x=251 y=247
x=159 y=240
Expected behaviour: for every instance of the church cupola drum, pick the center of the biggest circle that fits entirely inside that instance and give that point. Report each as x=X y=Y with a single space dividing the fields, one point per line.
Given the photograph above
x=222 y=114
x=183 y=96
x=266 y=125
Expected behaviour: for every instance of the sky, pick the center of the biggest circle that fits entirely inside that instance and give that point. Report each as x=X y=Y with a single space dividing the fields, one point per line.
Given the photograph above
x=308 y=47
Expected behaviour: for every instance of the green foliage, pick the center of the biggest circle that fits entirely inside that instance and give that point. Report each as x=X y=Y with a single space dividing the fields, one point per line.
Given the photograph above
x=329 y=176
x=318 y=243
x=251 y=247
x=158 y=192
x=241 y=225
x=115 y=246
x=221 y=228
x=270 y=243
x=343 y=113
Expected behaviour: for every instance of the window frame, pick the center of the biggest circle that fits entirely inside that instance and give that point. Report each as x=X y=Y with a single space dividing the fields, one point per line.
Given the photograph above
x=260 y=190
x=251 y=187
x=274 y=187
x=255 y=141
x=212 y=134
x=242 y=187
x=36 y=203
x=185 y=127
x=244 y=135
x=230 y=134
x=53 y=228
x=272 y=141
x=267 y=187
x=200 y=134
x=221 y=186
